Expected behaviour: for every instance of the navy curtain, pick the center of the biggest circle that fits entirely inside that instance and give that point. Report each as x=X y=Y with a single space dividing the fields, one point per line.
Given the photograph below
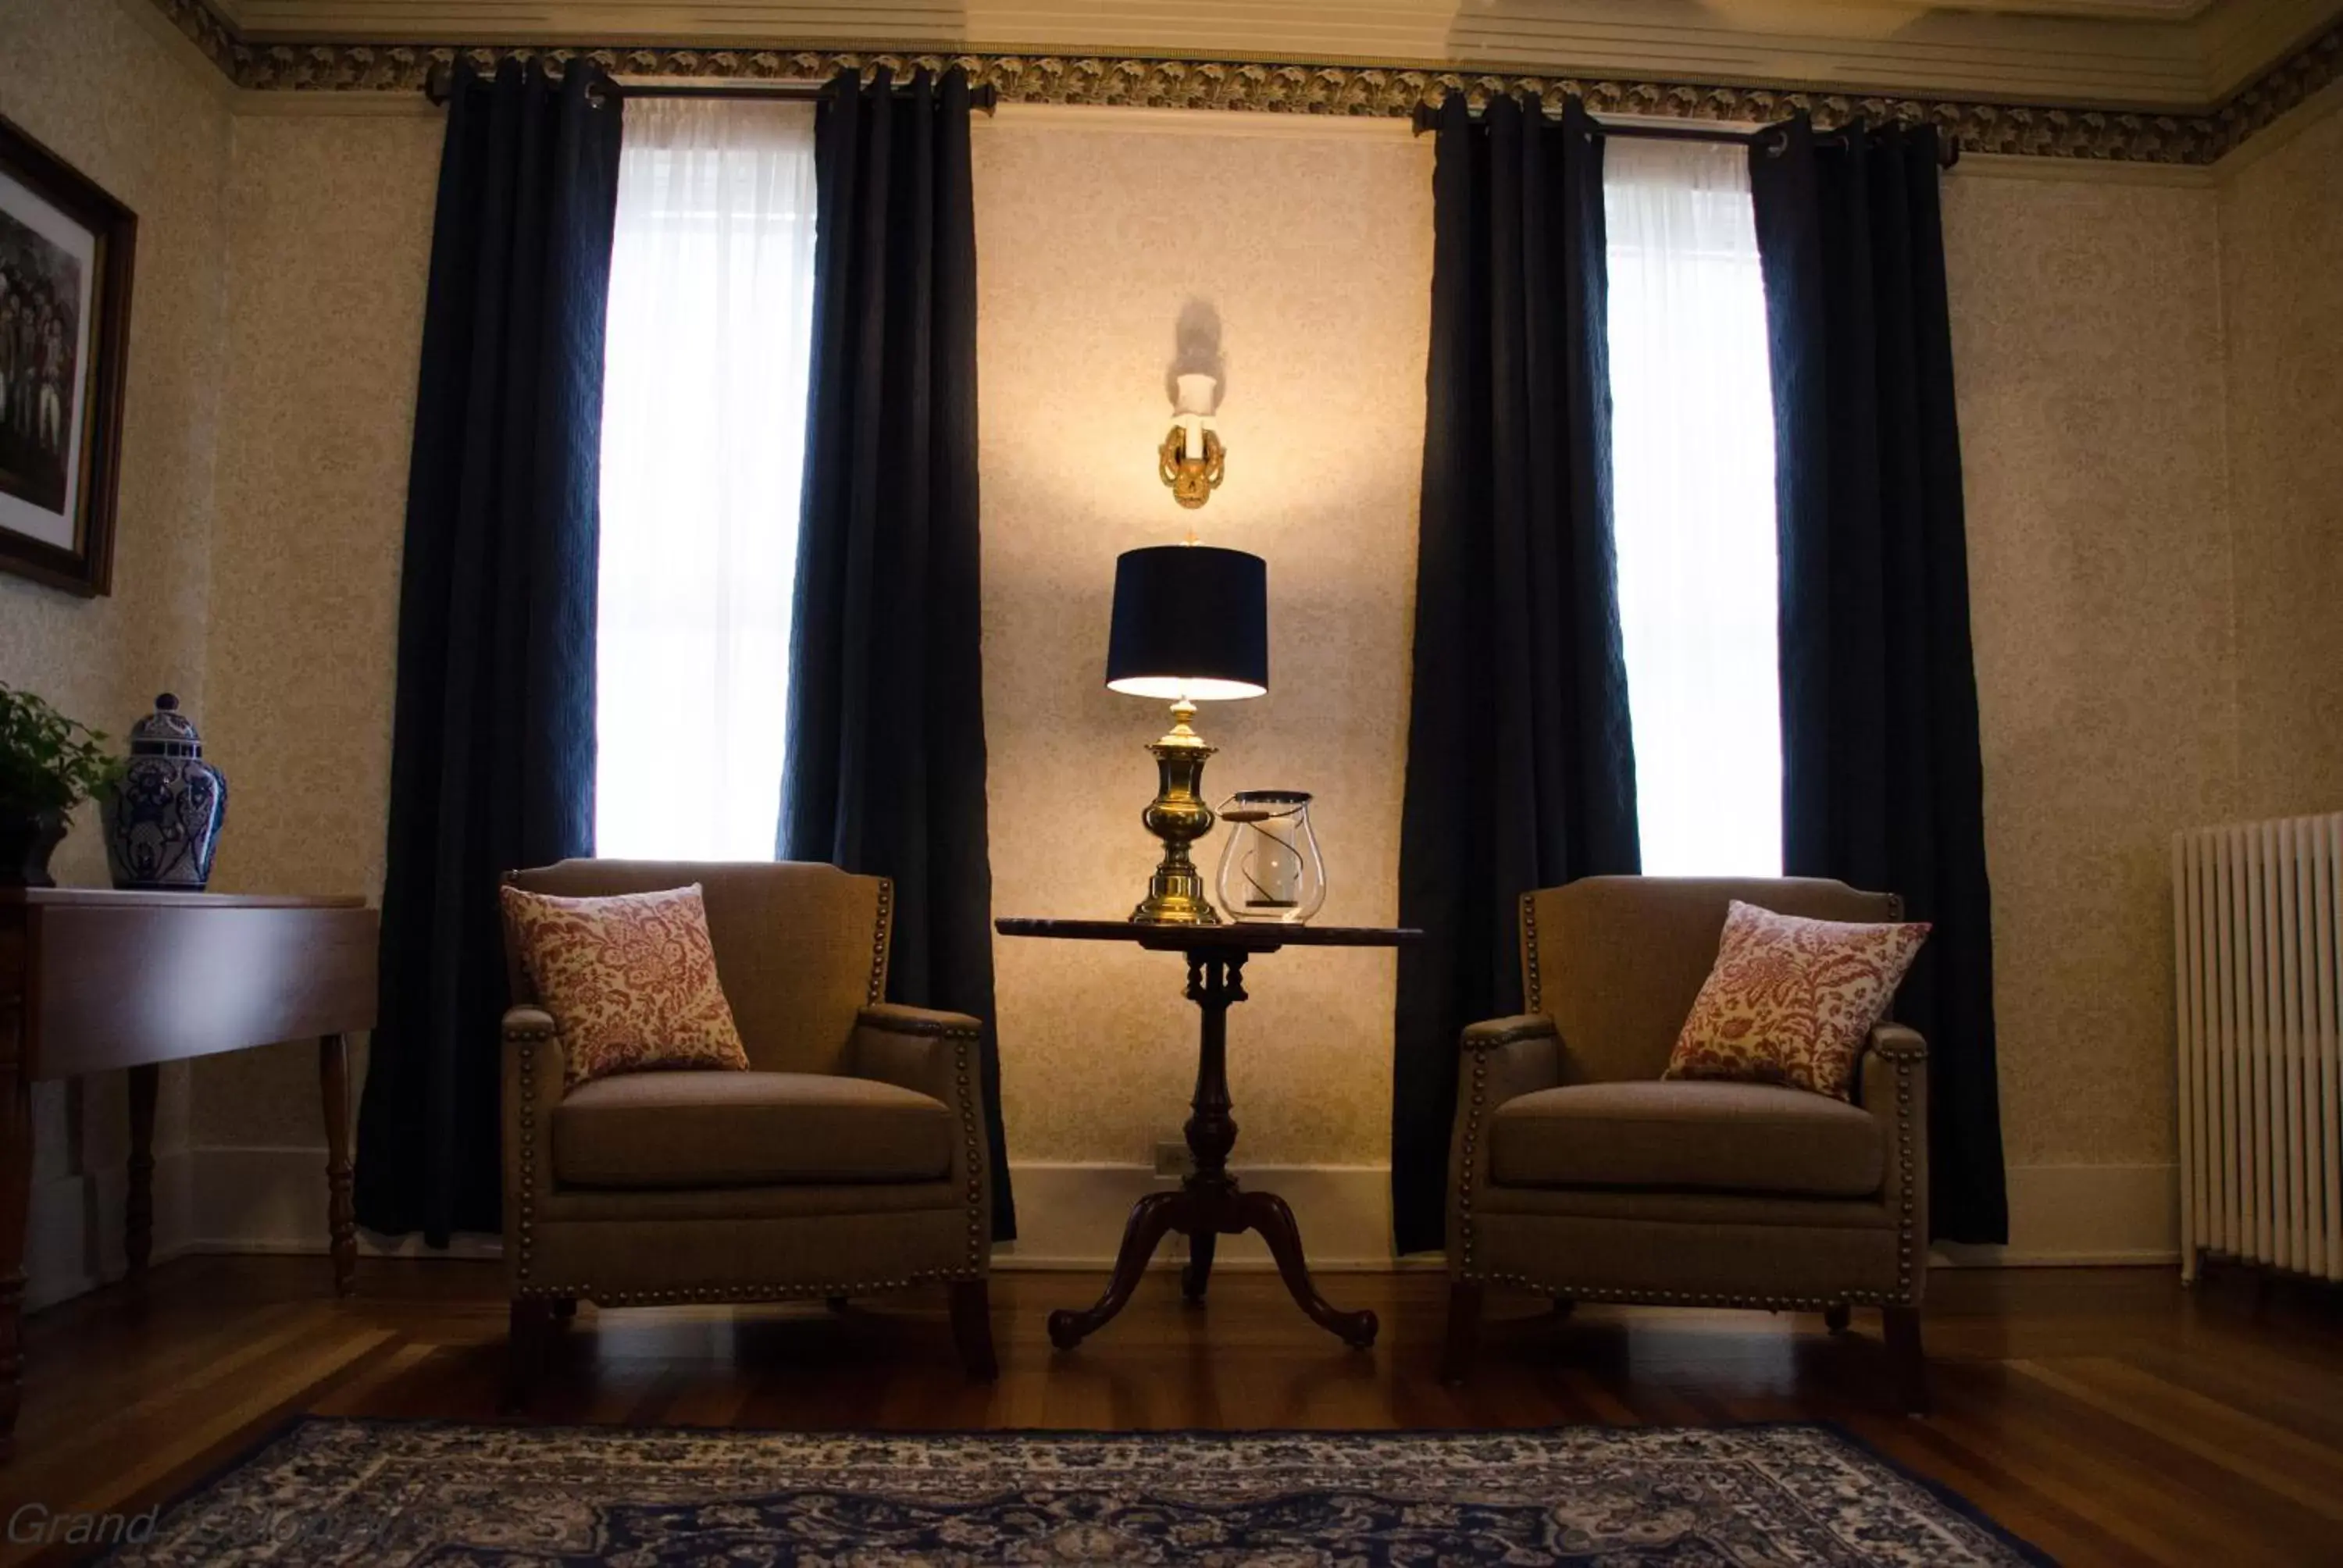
x=1882 y=785
x=1521 y=769
x=492 y=754
x=884 y=767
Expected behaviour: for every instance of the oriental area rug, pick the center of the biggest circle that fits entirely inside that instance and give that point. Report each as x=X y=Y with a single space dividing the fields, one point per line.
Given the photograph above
x=393 y=1493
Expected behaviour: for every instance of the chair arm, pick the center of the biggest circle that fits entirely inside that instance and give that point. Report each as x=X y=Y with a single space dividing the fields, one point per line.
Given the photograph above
x=935 y=1054
x=1507 y=1031
x=1501 y=1059
x=1894 y=1074
x=534 y=1070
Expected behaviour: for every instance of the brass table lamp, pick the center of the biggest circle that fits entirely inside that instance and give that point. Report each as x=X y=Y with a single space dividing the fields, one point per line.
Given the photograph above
x=1190 y=625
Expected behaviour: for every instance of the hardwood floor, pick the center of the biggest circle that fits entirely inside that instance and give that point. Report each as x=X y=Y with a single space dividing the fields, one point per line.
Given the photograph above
x=2106 y=1415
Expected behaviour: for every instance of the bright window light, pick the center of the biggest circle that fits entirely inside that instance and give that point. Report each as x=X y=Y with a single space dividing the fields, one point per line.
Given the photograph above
x=703 y=443
x=1692 y=464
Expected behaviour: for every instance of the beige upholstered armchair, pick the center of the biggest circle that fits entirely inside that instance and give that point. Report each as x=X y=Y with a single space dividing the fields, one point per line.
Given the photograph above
x=1577 y=1172
x=849 y=1159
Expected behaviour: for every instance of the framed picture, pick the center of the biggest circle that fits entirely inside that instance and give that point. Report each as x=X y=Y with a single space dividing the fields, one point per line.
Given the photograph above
x=66 y=250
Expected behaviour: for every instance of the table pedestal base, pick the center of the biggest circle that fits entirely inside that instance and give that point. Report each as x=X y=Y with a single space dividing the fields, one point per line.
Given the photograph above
x=1204 y=1215
x=1209 y=1204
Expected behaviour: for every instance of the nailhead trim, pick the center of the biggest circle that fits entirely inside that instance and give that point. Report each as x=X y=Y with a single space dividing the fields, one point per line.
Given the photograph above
x=749 y=1292
x=1907 y=1240
x=527 y=1152
x=878 y=991
x=1694 y=1298
x=1472 y=1143
x=963 y=1040
x=1535 y=986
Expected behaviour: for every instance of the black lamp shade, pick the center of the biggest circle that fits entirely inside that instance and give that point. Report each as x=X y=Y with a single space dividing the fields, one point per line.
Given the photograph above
x=1190 y=621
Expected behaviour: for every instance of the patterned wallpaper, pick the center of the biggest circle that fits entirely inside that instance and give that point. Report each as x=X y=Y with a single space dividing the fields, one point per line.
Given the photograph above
x=330 y=218
x=274 y=353
x=2028 y=130
x=1082 y=270
x=91 y=83
x=2087 y=347
x=2282 y=288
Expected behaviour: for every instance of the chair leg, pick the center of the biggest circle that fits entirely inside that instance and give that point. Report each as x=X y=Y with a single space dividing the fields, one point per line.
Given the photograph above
x=1464 y=1328
x=527 y=1330
x=565 y=1308
x=836 y=1304
x=1911 y=1363
x=971 y=1318
x=1836 y=1316
x=1565 y=1305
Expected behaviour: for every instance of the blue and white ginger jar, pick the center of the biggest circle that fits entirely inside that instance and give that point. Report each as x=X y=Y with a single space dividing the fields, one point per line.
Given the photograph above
x=163 y=819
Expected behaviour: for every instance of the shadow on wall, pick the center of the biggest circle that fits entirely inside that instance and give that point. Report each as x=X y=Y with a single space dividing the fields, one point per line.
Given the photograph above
x=1196 y=351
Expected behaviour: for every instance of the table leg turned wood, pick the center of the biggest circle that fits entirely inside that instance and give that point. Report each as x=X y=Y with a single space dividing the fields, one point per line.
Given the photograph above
x=341 y=1218
x=16 y=1197
x=138 y=1203
x=1209 y=1204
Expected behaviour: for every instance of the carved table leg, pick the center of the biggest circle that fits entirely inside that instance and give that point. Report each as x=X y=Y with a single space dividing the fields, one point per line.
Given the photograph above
x=1209 y=1204
x=15 y=1197
x=138 y=1203
x=1198 y=1274
x=1267 y=1213
x=1151 y=1218
x=341 y=1220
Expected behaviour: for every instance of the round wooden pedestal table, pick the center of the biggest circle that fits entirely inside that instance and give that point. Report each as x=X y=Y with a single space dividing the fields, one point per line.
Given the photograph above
x=1209 y=1204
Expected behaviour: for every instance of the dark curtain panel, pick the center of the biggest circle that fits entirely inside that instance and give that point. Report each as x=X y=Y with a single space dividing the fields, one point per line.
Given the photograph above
x=492 y=755
x=884 y=770
x=1881 y=781
x=1520 y=772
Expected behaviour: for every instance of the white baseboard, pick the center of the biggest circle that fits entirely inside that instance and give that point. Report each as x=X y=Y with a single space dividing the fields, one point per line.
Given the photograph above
x=2083 y=1215
x=272 y=1200
x=1070 y=1217
x=73 y=1231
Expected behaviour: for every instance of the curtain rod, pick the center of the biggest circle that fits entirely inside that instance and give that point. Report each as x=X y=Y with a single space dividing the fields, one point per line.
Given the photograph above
x=439 y=83
x=1948 y=152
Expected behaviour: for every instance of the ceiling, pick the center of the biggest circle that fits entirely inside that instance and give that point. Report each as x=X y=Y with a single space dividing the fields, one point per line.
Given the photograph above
x=2178 y=55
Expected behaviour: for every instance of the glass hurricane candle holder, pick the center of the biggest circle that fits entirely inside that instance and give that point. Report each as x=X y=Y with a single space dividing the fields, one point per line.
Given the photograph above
x=1270 y=869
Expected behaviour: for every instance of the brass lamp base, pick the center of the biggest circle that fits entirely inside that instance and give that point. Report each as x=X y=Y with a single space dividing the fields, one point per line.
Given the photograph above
x=1177 y=815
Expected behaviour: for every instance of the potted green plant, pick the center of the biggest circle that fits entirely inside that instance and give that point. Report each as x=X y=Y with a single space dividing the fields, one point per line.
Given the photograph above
x=49 y=764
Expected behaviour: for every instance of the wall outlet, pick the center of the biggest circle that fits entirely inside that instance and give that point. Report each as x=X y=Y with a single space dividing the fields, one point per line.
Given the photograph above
x=1171 y=1160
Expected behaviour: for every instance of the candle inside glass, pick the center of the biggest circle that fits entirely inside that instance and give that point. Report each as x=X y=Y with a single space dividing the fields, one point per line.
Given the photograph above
x=1272 y=865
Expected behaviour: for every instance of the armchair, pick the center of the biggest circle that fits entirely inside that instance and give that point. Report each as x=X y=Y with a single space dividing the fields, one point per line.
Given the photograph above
x=1577 y=1172
x=850 y=1159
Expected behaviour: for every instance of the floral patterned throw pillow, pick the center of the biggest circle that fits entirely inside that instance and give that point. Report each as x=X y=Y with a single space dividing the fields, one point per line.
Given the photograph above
x=630 y=981
x=1792 y=1001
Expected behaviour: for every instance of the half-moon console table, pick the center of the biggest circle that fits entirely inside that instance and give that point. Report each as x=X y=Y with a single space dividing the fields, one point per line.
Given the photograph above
x=1209 y=1204
x=92 y=979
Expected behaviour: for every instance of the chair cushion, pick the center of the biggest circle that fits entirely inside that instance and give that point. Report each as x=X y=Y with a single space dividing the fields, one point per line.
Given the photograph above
x=748 y=1129
x=1792 y=1000
x=1700 y=1136
x=630 y=981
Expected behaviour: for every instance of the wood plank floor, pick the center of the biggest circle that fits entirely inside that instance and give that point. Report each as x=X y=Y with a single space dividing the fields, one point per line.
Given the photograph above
x=2108 y=1415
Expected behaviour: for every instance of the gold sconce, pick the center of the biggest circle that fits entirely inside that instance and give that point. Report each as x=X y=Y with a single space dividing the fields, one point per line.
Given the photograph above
x=1191 y=458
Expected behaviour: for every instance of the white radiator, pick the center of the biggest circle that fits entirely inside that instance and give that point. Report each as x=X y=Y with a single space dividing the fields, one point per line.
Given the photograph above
x=2258 y=925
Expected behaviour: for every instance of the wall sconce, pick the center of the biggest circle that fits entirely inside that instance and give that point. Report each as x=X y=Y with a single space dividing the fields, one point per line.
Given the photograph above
x=1192 y=458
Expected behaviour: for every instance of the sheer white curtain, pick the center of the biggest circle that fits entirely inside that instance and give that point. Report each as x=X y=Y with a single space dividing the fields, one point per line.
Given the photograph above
x=1692 y=459
x=703 y=438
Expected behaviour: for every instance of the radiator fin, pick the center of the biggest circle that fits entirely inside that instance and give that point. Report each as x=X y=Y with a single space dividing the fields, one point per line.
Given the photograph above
x=2258 y=933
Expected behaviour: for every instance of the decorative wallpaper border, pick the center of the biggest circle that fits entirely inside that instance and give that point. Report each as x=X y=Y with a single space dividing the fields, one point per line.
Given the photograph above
x=2021 y=130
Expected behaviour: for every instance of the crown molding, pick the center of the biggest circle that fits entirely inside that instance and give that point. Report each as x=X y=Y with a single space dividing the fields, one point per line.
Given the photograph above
x=2053 y=128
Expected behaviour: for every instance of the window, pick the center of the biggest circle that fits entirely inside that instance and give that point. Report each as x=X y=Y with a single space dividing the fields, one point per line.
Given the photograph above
x=1692 y=462
x=703 y=442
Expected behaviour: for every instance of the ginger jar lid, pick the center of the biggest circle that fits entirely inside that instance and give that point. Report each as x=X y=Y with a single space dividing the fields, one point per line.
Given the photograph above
x=166 y=732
